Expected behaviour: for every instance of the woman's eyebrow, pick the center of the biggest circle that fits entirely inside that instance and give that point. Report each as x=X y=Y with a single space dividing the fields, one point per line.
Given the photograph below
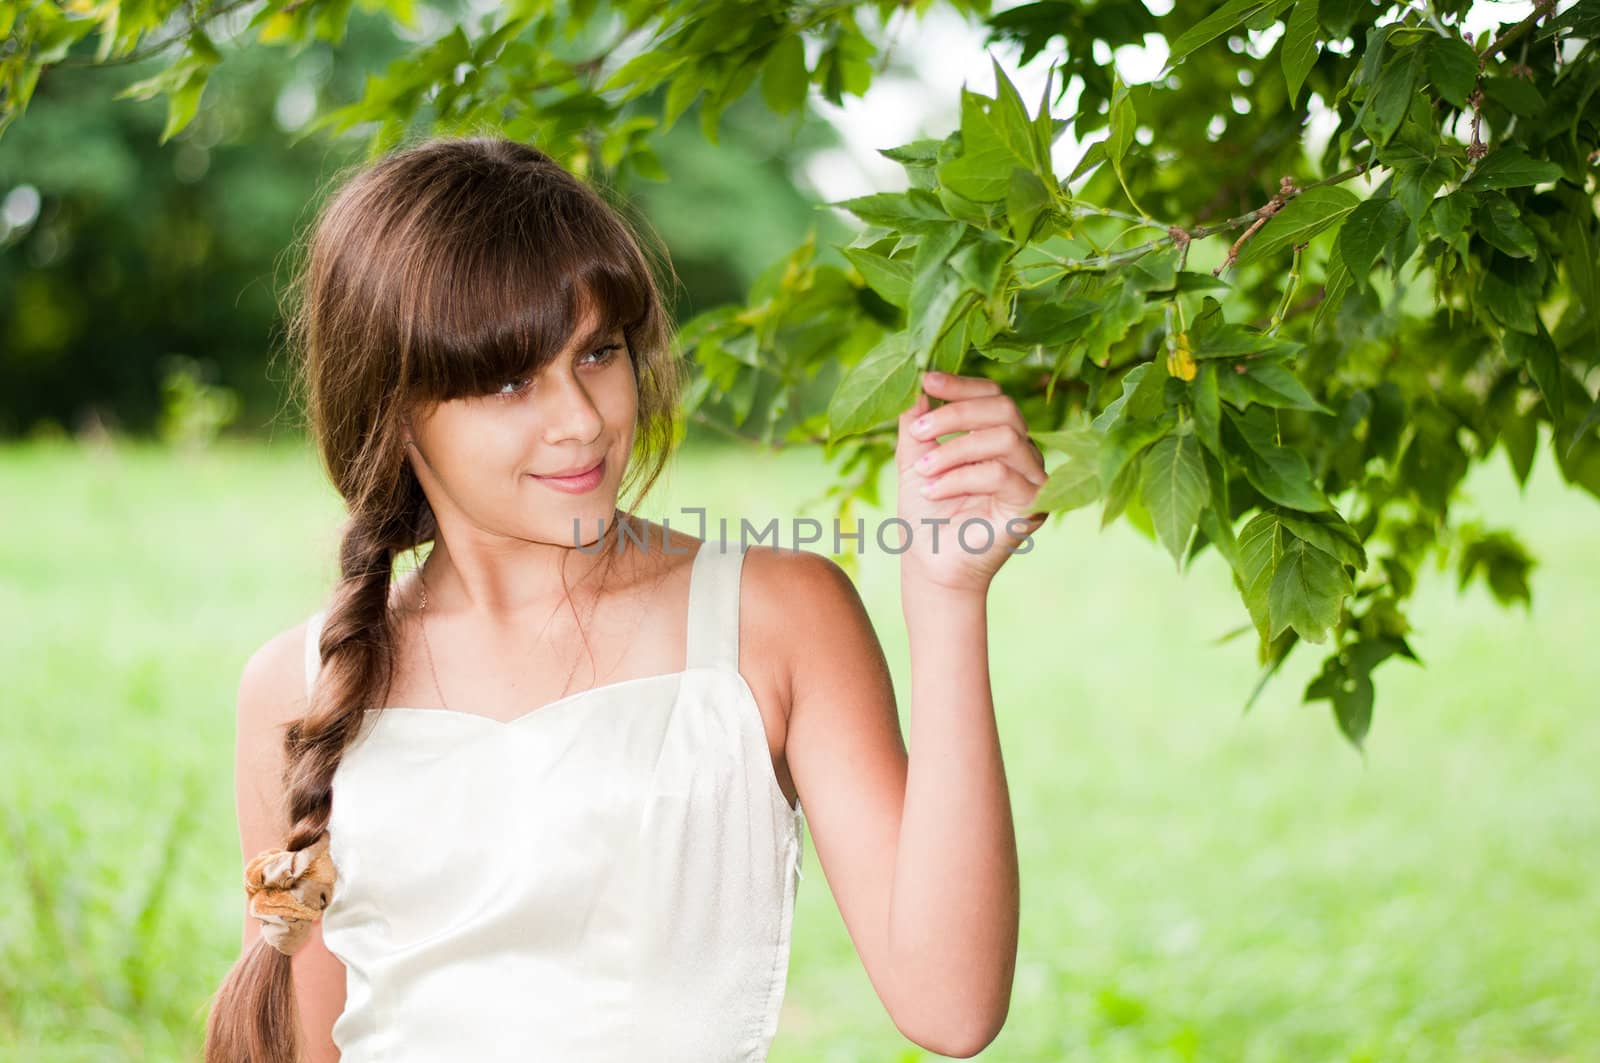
x=593 y=338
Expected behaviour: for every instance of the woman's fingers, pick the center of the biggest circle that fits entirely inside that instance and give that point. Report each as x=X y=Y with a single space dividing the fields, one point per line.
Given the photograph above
x=992 y=477
x=963 y=415
x=1001 y=442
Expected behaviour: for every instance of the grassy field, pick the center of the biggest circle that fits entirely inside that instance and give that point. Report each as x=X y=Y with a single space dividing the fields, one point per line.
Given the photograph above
x=1198 y=884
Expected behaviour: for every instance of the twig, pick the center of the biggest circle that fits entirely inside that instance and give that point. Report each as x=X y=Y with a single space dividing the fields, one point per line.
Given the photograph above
x=1541 y=8
x=1288 y=291
x=1286 y=190
x=139 y=54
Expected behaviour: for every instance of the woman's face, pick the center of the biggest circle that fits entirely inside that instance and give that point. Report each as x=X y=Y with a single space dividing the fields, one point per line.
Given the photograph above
x=488 y=460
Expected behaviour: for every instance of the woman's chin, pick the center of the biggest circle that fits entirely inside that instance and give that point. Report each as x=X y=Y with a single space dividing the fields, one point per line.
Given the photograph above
x=585 y=525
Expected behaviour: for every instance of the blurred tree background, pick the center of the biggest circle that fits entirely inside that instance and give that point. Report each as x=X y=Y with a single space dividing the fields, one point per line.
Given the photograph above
x=139 y=280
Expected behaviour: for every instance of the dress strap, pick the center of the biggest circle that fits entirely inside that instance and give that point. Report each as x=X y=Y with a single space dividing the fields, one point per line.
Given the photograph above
x=714 y=605
x=313 y=652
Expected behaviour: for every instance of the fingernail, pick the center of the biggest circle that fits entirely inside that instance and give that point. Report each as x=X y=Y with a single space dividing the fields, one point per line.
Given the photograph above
x=920 y=424
x=925 y=460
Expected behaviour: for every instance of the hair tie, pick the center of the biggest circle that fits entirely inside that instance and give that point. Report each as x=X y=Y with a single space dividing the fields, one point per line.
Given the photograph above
x=288 y=889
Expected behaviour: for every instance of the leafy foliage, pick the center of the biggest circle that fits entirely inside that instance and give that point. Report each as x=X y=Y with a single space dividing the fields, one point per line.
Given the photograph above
x=1386 y=305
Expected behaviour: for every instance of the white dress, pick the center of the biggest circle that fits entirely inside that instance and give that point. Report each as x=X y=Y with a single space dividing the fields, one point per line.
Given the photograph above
x=610 y=876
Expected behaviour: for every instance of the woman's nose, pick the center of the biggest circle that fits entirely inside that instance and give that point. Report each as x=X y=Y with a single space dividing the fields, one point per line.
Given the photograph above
x=568 y=411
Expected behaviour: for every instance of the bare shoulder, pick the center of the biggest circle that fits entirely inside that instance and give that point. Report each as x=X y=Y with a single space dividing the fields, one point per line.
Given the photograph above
x=805 y=607
x=272 y=686
x=810 y=625
x=785 y=577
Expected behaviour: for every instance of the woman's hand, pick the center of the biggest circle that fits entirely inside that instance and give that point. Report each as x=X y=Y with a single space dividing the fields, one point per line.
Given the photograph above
x=991 y=473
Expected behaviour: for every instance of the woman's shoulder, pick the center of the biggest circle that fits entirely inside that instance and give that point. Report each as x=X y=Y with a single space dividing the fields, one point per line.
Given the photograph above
x=779 y=575
x=272 y=685
x=795 y=604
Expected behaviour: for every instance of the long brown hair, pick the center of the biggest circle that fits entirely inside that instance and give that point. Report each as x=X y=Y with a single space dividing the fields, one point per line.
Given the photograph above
x=439 y=270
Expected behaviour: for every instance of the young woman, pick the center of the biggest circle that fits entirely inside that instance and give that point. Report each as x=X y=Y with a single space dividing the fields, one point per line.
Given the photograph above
x=538 y=797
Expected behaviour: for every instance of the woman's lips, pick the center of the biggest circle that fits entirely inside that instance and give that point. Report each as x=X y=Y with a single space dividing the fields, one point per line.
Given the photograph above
x=576 y=485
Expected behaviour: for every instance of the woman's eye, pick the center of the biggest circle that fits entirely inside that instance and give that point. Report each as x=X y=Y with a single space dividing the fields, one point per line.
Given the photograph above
x=601 y=355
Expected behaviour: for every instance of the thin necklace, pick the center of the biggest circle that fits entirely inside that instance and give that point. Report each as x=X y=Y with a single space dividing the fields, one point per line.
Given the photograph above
x=422 y=623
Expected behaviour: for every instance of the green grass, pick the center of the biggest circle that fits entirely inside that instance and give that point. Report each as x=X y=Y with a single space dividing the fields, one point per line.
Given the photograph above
x=1197 y=884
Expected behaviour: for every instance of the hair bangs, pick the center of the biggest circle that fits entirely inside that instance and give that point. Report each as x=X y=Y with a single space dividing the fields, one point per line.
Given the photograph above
x=505 y=298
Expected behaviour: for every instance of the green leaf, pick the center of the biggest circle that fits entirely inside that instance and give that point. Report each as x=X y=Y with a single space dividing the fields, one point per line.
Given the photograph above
x=784 y=79
x=1277 y=472
x=1537 y=353
x=935 y=287
x=1503 y=560
x=1119 y=492
x=1334 y=287
x=639 y=74
x=1174 y=488
x=1010 y=115
x=890 y=278
x=1120 y=305
x=1515 y=95
x=1329 y=532
x=876 y=389
x=1508 y=288
x=1125 y=441
x=1268 y=383
x=1589 y=421
x=1156 y=271
x=1389 y=99
x=1452 y=67
x=1349 y=690
x=1148 y=397
x=1238 y=341
x=989 y=149
x=1043 y=129
x=1206 y=405
x=1299 y=46
x=1026 y=199
x=913 y=211
x=1214 y=520
x=1301 y=218
x=1338 y=17
x=980 y=263
x=1415 y=187
x=681 y=92
x=1123 y=123
x=1308 y=588
x=1287 y=582
x=184 y=102
x=950 y=347
x=1229 y=16
x=1500 y=223
x=1366 y=232
x=1076 y=481
x=1051 y=323
x=1510 y=167
x=1450 y=214
x=1582 y=257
